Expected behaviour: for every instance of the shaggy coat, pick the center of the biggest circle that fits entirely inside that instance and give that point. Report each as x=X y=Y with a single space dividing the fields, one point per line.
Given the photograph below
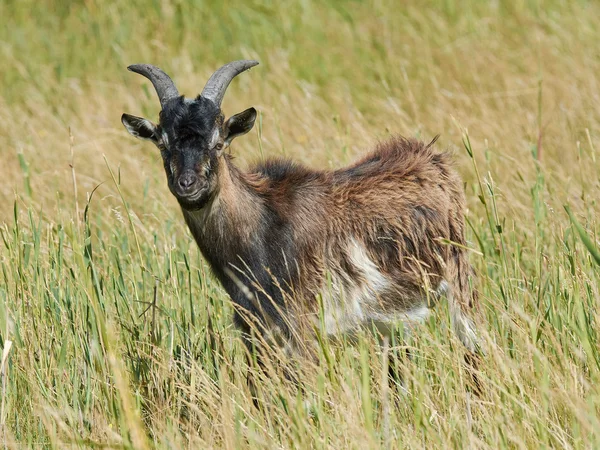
x=378 y=241
x=373 y=244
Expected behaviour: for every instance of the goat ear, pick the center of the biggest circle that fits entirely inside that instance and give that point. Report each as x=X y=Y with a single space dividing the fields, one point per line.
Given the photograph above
x=140 y=128
x=239 y=124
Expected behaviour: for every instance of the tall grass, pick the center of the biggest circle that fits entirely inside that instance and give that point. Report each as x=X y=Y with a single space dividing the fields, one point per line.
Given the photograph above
x=114 y=333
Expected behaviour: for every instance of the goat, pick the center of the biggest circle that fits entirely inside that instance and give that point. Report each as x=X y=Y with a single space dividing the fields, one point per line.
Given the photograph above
x=371 y=245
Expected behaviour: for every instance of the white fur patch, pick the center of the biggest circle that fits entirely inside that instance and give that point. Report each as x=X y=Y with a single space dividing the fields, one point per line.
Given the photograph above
x=464 y=328
x=442 y=288
x=375 y=280
x=355 y=304
x=214 y=138
x=347 y=305
x=206 y=168
x=419 y=314
x=341 y=311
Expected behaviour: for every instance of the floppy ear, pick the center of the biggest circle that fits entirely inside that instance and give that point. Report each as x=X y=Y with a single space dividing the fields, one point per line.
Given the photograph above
x=239 y=124
x=140 y=128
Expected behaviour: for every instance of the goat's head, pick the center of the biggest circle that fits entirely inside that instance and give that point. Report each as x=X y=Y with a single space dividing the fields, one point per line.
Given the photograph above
x=191 y=133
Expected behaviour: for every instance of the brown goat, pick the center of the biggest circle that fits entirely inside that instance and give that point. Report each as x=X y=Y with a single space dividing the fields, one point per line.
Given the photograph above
x=374 y=244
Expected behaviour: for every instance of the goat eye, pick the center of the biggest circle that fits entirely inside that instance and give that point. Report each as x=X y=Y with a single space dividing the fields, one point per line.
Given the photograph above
x=219 y=146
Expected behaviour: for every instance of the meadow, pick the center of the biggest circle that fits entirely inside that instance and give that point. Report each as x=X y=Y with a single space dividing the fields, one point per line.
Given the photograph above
x=114 y=333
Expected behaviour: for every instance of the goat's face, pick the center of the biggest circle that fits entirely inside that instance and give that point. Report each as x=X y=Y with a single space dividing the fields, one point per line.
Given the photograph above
x=191 y=135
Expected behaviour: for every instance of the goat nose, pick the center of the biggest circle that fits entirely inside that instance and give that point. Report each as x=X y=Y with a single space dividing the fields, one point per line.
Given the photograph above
x=187 y=179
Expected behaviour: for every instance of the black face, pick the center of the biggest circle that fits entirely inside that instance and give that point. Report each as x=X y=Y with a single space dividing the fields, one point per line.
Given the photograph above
x=191 y=143
x=191 y=136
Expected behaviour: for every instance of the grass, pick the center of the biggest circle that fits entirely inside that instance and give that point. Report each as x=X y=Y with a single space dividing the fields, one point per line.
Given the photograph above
x=115 y=335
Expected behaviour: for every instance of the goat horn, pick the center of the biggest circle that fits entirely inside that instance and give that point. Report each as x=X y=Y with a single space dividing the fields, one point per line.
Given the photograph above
x=219 y=81
x=165 y=88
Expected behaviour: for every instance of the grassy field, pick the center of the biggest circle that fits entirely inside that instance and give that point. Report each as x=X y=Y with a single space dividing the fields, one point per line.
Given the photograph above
x=114 y=334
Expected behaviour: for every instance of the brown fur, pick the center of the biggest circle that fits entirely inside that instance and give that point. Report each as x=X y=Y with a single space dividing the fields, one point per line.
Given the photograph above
x=402 y=202
x=377 y=242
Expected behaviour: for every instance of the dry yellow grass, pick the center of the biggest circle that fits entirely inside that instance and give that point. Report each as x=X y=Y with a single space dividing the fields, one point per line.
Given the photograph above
x=89 y=366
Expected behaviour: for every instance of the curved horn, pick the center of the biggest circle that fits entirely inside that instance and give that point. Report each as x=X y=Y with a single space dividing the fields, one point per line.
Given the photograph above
x=165 y=88
x=219 y=81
